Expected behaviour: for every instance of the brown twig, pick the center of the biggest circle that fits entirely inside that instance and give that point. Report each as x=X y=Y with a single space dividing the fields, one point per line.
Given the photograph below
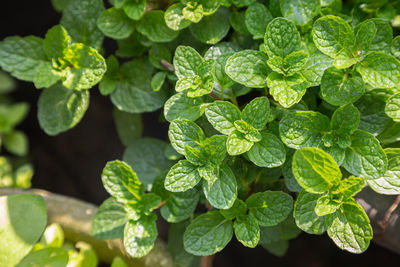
x=384 y=223
x=214 y=96
x=168 y=66
x=162 y=203
x=207 y=261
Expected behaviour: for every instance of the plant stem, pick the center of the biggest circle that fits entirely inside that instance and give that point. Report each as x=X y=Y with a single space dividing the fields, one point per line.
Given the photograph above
x=384 y=223
x=207 y=261
x=214 y=96
x=168 y=66
x=162 y=203
x=234 y=101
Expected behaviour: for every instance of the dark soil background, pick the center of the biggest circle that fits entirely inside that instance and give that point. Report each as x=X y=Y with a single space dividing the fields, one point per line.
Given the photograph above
x=71 y=163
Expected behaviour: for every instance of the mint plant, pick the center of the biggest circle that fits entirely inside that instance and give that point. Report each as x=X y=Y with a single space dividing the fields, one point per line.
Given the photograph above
x=279 y=113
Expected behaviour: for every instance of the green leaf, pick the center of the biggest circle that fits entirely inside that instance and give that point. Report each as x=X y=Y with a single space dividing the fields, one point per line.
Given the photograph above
x=222 y=116
x=345 y=120
x=184 y=133
x=60 y=109
x=180 y=106
x=349 y=187
x=215 y=149
x=208 y=172
x=129 y=126
x=7 y=84
x=392 y=108
x=345 y=59
x=247 y=230
x=221 y=53
x=349 y=228
x=180 y=206
x=203 y=83
x=109 y=220
x=110 y=80
x=380 y=70
x=365 y=157
x=140 y=235
x=249 y=132
x=315 y=170
x=383 y=37
x=192 y=84
x=237 y=21
x=207 y=234
x=395 y=47
x=303 y=129
x=23 y=222
x=289 y=179
x=87 y=67
x=305 y=216
x=371 y=106
x=59 y=5
x=134 y=93
x=277 y=248
x=56 y=257
x=242 y=3
x=158 y=80
x=134 y=9
x=286 y=90
x=186 y=61
x=56 y=41
x=193 y=11
x=337 y=153
x=237 y=143
x=331 y=35
x=212 y=29
x=390 y=134
x=364 y=34
x=209 y=6
x=121 y=182
x=315 y=67
x=153 y=26
x=326 y=205
x=158 y=53
x=270 y=207
x=118 y=262
x=182 y=176
x=22 y=56
x=248 y=67
x=256 y=113
x=150 y=202
x=146 y=157
x=338 y=89
x=238 y=208
x=46 y=76
x=115 y=24
x=269 y=152
x=389 y=183
x=53 y=236
x=281 y=38
x=174 y=18
x=79 y=18
x=16 y=143
x=300 y=11
x=294 y=62
x=175 y=246
x=222 y=192
x=257 y=17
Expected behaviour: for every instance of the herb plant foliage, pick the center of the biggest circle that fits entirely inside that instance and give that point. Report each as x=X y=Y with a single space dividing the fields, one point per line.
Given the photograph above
x=279 y=113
